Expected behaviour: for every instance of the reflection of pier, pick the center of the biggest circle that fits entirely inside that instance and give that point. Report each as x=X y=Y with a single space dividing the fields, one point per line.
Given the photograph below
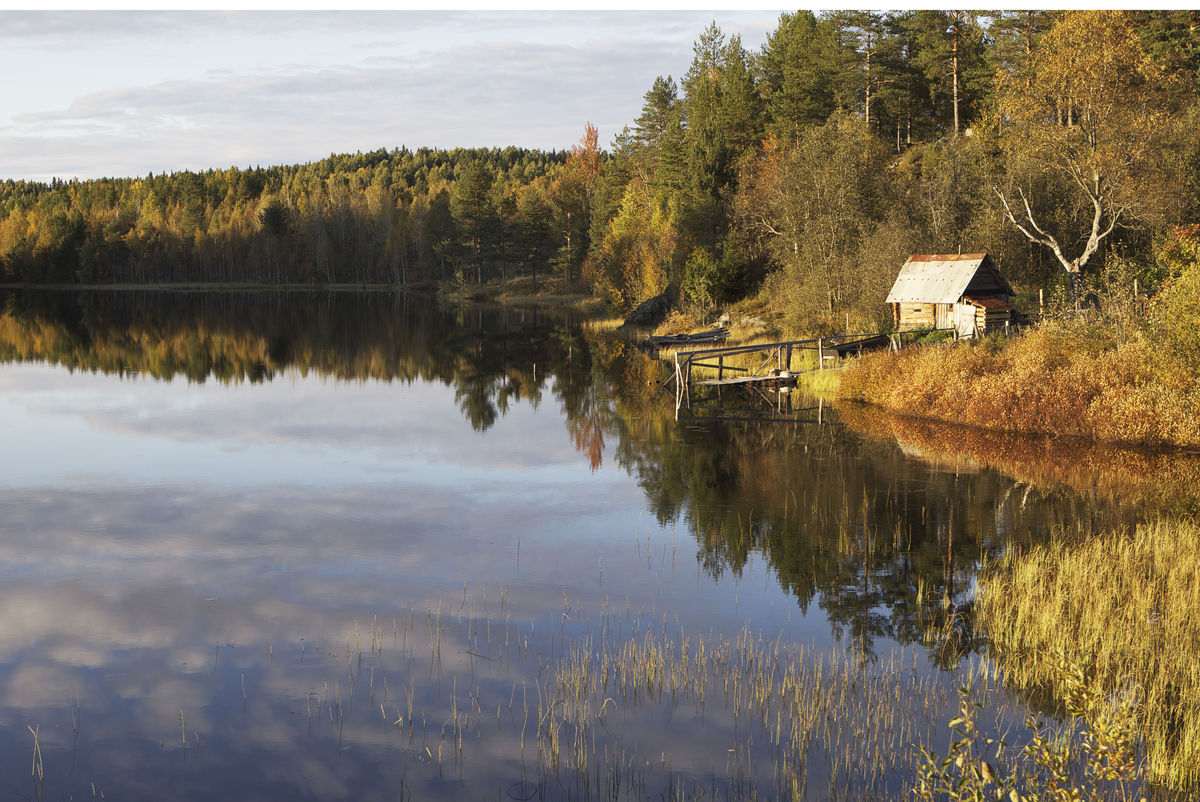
x=755 y=406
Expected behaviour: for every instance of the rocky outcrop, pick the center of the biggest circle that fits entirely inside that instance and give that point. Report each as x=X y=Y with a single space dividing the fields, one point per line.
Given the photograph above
x=649 y=313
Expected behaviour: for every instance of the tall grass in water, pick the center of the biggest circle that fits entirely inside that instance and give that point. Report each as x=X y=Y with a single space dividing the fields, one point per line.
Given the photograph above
x=1061 y=379
x=1122 y=605
x=800 y=719
x=821 y=383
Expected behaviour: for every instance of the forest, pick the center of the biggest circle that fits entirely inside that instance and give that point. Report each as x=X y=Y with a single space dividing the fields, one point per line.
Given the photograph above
x=1063 y=143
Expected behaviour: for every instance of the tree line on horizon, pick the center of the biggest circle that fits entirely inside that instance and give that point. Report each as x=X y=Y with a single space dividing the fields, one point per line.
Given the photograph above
x=1061 y=142
x=396 y=217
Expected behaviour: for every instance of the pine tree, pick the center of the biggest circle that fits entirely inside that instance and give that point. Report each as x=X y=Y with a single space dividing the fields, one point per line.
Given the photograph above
x=1015 y=34
x=862 y=39
x=1172 y=38
x=798 y=69
x=534 y=229
x=948 y=48
x=475 y=216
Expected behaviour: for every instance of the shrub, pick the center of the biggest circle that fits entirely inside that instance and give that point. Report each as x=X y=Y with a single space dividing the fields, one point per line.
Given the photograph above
x=700 y=278
x=1096 y=760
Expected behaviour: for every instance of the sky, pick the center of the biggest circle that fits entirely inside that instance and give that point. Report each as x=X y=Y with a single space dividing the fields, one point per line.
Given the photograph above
x=89 y=94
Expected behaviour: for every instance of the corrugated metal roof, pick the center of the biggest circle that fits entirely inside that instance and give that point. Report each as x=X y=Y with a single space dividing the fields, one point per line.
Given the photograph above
x=935 y=278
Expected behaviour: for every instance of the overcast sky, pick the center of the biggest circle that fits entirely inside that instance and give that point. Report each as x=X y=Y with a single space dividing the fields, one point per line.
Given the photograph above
x=89 y=94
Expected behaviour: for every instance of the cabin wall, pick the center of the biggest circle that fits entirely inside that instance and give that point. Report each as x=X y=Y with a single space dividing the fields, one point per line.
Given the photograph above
x=944 y=316
x=911 y=316
x=988 y=319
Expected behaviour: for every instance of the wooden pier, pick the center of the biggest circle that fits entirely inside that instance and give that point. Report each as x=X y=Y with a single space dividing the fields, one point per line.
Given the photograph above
x=777 y=369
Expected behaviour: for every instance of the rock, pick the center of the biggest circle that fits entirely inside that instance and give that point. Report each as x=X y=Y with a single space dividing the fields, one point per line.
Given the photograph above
x=649 y=313
x=752 y=323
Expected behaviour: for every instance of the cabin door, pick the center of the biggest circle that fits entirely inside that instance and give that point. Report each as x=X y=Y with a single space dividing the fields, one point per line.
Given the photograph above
x=964 y=320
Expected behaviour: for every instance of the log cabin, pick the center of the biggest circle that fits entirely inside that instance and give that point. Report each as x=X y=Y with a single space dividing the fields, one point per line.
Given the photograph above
x=964 y=292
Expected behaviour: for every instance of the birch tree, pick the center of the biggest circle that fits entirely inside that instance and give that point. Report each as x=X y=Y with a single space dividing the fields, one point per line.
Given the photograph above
x=1096 y=116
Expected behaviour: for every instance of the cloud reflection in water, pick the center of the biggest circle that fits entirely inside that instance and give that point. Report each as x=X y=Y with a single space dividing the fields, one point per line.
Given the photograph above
x=328 y=548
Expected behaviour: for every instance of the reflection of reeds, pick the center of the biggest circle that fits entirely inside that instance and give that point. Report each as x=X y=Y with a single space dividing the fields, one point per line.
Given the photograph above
x=1123 y=605
x=789 y=708
x=631 y=709
x=1169 y=479
x=37 y=769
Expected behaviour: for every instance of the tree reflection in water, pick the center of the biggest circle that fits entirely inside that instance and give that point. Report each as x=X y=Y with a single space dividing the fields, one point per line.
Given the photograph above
x=878 y=519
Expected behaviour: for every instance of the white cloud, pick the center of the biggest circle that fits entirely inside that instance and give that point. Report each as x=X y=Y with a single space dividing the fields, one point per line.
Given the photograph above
x=123 y=93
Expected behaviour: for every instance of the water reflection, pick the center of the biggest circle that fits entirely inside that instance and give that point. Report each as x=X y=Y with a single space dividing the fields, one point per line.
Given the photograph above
x=1155 y=481
x=328 y=545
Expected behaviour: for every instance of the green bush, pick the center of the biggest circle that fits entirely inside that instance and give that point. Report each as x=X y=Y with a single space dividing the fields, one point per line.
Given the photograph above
x=700 y=278
x=1175 y=316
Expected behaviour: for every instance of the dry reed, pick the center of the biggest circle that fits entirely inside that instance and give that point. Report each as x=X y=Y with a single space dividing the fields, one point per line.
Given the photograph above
x=1059 y=379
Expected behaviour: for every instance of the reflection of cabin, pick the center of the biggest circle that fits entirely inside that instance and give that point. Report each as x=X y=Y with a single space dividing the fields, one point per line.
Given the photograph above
x=951 y=291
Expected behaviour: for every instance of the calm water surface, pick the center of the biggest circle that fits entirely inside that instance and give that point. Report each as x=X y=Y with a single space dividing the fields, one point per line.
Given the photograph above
x=336 y=546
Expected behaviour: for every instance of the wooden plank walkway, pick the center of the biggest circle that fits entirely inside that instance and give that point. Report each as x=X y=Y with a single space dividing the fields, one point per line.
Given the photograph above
x=776 y=369
x=718 y=335
x=784 y=379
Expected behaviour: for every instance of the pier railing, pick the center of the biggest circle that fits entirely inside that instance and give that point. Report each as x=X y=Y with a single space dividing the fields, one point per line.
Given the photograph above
x=777 y=367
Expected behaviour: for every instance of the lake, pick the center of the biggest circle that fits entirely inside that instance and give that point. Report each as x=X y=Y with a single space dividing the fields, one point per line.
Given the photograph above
x=337 y=545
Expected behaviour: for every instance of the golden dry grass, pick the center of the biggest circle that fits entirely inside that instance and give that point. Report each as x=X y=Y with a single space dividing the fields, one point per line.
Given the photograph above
x=1058 y=379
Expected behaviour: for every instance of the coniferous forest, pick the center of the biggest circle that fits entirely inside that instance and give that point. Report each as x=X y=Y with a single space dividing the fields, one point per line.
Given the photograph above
x=1064 y=143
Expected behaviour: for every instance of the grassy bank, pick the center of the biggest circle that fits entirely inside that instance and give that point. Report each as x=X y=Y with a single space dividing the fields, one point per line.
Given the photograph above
x=1121 y=605
x=522 y=290
x=1059 y=379
x=1126 y=373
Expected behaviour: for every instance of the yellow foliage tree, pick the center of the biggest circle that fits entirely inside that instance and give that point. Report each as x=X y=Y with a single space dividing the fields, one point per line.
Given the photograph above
x=635 y=260
x=1096 y=113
